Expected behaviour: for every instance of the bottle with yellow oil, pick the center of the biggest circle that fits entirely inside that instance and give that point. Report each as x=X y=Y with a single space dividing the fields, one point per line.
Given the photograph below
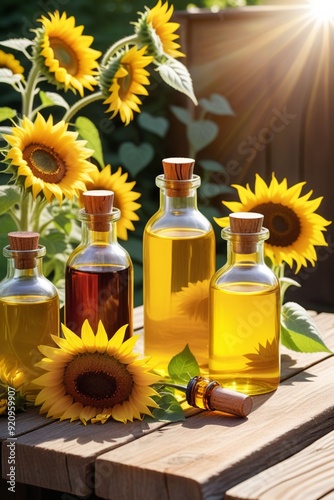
x=178 y=262
x=29 y=308
x=245 y=312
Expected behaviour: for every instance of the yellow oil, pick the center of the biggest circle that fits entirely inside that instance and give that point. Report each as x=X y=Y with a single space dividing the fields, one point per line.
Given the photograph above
x=176 y=290
x=244 y=337
x=25 y=323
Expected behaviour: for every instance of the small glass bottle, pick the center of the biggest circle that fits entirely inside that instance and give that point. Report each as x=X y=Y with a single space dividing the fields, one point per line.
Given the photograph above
x=207 y=394
x=245 y=312
x=99 y=272
x=178 y=262
x=29 y=306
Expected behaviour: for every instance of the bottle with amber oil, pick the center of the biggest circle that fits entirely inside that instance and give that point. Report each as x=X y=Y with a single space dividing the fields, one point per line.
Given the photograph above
x=99 y=272
x=29 y=306
x=245 y=312
x=178 y=262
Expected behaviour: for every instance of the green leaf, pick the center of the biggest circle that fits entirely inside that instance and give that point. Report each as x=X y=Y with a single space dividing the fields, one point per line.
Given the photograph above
x=212 y=166
x=211 y=189
x=217 y=104
x=7 y=113
x=201 y=133
x=170 y=410
x=135 y=158
x=175 y=74
x=89 y=133
x=298 y=331
x=156 y=124
x=7 y=76
x=181 y=114
x=54 y=242
x=52 y=99
x=284 y=285
x=9 y=195
x=183 y=366
x=17 y=43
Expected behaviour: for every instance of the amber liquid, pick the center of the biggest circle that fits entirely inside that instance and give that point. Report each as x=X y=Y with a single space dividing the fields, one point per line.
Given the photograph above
x=179 y=265
x=25 y=323
x=244 y=337
x=95 y=294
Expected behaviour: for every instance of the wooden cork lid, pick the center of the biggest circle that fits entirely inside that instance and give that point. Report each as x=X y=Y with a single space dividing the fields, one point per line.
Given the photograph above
x=229 y=401
x=180 y=170
x=246 y=225
x=26 y=244
x=98 y=202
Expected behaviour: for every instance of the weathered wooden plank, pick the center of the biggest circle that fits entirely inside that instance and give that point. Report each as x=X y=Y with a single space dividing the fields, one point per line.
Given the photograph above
x=308 y=474
x=209 y=453
x=61 y=456
x=24 y=422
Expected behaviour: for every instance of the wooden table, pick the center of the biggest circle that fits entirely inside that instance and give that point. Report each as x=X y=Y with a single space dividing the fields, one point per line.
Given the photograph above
x=283 y=450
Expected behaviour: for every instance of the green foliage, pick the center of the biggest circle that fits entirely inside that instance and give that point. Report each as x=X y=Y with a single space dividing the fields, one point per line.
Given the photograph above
x=183 y=366
x=181 y=369
x=298 y=331
x=90 y=134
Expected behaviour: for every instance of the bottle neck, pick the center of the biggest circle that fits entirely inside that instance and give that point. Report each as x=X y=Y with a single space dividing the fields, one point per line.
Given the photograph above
x=99 y=228
x=245 y=248
x=235 y=256
x=24 y=263
x=178 y=194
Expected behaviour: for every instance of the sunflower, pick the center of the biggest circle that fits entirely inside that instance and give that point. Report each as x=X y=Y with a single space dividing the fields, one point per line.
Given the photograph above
x=193 y=300
x=154 y=30
x=14 y=377
x=63 y=55
x=123 y=196
x=294 y=226
x=47 y=159
x=123 y=79
x=8 y=61
x=92 y=378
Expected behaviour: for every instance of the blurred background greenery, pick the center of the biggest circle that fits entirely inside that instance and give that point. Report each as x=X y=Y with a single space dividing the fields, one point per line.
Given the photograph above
x=108 y=21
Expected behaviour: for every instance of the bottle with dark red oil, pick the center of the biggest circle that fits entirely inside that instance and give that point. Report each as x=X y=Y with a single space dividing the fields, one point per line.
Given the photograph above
x=99 y=272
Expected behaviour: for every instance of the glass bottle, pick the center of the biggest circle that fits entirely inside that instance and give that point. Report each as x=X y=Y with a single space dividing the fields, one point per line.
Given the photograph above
x=178 y=262
x=245 y=312
x=29 y=307
x=207 y=394
x=99 y=272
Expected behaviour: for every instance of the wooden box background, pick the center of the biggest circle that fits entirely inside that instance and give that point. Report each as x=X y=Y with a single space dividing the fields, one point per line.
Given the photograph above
x=275 y=66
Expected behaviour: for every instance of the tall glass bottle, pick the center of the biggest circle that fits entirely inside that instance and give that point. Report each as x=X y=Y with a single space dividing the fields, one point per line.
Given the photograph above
x=29 y=307
x=99 y=272
x=245 y=312
x=178 y=261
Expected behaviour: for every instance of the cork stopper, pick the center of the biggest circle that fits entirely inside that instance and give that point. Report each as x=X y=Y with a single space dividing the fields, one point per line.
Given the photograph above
x=247 y=225
x=99 y=203
x=209 y=394
x=179 y=170
x=26 y=244
x=228 y=401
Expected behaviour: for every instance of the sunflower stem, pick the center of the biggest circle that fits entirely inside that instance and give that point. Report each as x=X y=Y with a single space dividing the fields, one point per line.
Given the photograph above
x=24 y=218
x=81 y=104
x=28 y=95
x=36 y=214
x=174 y=386
x=131 y=39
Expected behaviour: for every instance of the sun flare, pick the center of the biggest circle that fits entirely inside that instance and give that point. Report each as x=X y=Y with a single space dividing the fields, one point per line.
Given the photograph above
x=322 y=10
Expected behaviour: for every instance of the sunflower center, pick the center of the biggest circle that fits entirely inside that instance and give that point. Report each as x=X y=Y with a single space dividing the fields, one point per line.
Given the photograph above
x=97 y=380
x=65 y=55
x=282 y=222
x=44 y=163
